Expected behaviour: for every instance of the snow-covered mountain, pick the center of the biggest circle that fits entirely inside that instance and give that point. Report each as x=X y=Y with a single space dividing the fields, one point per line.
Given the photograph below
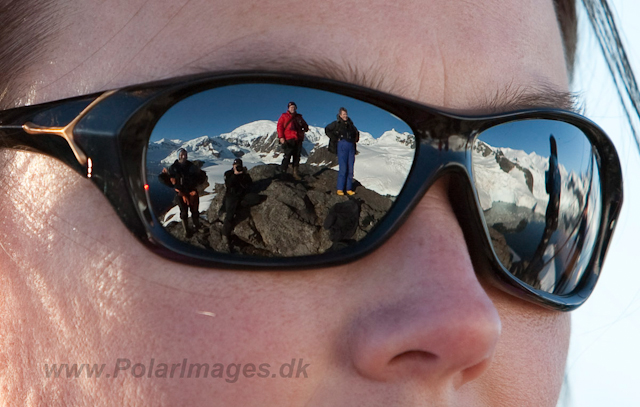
x=158 y=150
x=392 y=138
x=508 y=176
x=382 y=164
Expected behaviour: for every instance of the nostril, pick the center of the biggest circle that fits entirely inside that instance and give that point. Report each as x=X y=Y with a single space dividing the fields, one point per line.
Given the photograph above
x=417 y=356
x=414 y=363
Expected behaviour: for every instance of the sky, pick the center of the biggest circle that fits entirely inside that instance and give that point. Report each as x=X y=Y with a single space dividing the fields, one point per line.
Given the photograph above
x=222 y=110
x=533 y=136
x=604 y=356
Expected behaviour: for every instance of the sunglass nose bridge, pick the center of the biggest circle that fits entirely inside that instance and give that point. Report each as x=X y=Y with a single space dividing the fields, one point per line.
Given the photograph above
x=435 y=158
x=444 y=148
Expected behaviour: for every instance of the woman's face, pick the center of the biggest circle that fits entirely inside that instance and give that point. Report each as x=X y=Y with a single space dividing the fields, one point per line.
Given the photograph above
x=410 y=324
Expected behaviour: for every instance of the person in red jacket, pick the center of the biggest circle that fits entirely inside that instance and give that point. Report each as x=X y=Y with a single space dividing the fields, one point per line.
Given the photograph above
x=291 y=129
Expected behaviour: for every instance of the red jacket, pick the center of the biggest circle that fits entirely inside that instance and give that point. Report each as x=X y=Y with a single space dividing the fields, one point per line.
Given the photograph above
x=292 y=127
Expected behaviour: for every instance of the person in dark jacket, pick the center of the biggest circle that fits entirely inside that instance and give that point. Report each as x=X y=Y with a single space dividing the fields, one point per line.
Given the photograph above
x=347 y=135
x=185 y=177
x=237 y=182
x=553 y=186
x=291 y=128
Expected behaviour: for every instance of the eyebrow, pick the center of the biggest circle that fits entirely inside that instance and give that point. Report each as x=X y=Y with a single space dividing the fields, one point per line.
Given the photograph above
x=27 y=28
x=510 y=97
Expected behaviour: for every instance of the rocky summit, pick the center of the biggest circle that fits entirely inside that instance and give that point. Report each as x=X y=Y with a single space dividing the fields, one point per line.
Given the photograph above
x=285 y=217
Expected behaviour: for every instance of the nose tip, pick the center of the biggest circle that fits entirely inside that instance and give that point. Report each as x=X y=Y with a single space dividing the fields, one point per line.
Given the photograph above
x=415 y=340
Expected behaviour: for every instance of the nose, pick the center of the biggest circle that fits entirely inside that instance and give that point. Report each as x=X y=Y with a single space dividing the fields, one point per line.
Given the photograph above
x=432 y=321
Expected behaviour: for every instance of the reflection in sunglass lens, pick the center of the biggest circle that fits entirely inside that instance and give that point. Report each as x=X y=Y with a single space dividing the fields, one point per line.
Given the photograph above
x=222 y=176
x=538 y=185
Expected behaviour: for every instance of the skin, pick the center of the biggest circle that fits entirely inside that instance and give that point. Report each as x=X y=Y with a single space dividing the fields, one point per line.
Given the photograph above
x=409 y=325
x=183 y=157
x=343 y=115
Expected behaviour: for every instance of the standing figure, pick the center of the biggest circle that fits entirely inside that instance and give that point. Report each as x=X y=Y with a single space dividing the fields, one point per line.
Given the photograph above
x=184 y=177
x=237 y=181
x=553 y=186
x=347 y=135
x=291 y=129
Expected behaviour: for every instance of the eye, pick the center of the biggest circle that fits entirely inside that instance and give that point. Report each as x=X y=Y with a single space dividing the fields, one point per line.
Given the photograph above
x=256 y=209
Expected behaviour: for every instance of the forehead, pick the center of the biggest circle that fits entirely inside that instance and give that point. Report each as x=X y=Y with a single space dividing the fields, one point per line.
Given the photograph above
x=446 y=53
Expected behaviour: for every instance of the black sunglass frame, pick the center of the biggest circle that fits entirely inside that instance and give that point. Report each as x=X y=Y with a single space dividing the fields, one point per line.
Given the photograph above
x=110 y=133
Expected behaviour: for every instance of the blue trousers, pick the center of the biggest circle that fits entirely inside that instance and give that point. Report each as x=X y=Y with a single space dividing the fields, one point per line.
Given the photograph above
x=346 y=159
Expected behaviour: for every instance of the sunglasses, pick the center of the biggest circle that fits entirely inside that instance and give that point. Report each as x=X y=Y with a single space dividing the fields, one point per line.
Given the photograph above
x=536 y=192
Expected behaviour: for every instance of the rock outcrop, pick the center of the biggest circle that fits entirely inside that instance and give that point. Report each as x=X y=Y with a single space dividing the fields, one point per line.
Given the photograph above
x=322 y=156
x=287 y=217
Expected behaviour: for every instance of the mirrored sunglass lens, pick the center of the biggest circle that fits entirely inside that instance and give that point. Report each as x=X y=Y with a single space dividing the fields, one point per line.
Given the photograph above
x=539 y=188
x=220 y=178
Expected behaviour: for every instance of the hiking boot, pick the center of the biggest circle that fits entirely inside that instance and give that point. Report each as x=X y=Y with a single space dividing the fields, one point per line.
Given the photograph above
x=340 y=192
x=296 y=174
x=196 y=221
x=350 y=192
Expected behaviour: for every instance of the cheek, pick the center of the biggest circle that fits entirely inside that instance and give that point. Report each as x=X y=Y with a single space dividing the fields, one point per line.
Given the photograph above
x=76 y=287
x=243 y=319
